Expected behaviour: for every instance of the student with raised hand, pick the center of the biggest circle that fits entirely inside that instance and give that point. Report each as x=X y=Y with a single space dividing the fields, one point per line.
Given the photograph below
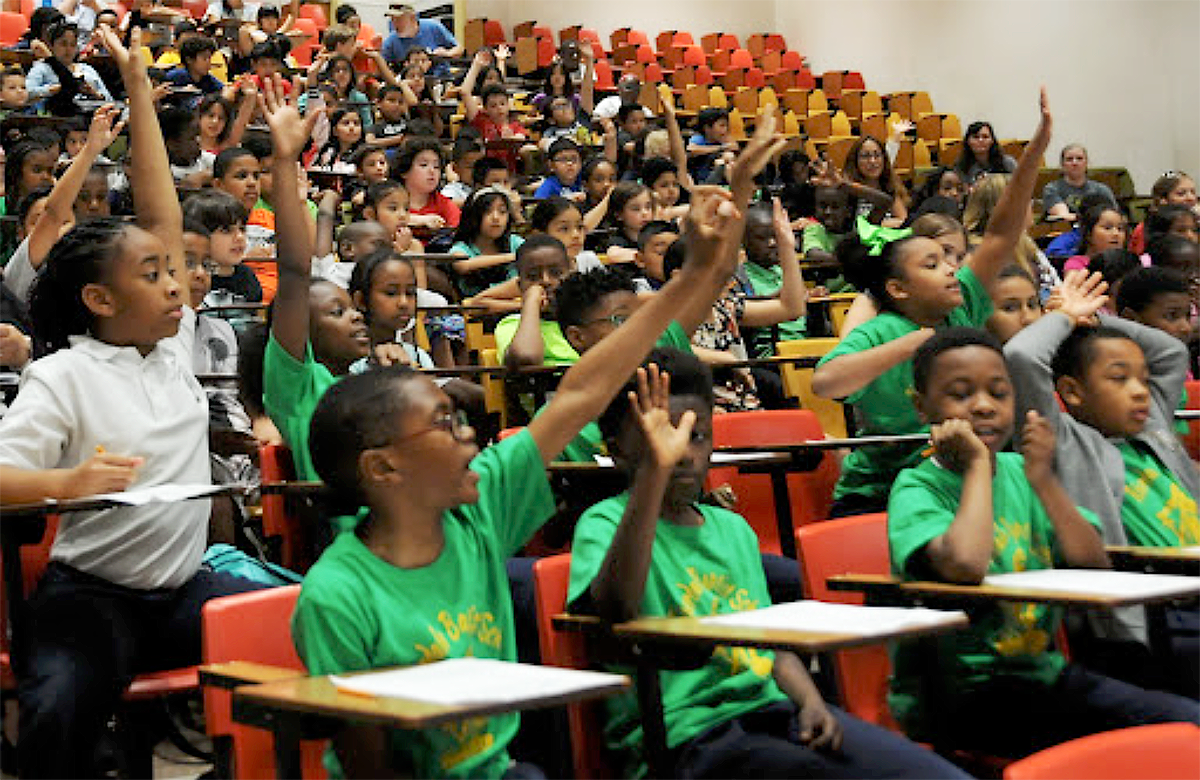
x=974 y=509
x=657 y=551
x=1116 y=452
x=59 y=212
x=115 y=406
x=918 y=288
x=316 y=332
x=429 y=559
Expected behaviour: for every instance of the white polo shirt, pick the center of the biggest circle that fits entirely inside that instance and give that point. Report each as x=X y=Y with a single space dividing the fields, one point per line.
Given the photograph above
x=99 y=395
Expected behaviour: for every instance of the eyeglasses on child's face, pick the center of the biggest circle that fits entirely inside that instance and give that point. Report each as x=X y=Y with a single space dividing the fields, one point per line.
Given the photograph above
x=453 y=421
x=616 y=320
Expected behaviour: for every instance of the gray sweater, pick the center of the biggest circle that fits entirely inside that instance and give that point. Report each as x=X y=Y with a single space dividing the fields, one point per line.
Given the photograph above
x=1088 y=463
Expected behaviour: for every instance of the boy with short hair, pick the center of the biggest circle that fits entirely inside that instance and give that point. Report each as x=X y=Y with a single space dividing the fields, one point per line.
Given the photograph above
x=834 y=217
x=14 y=96
x=195 y=55
x=389 y=131
x=490 y=172
x=225 y=219
x=1116 y=451
x=489 y=113
x=709 y=142
x=972 y=510
x=765 y=276
x=566 y=162
x=657 y=550
x=466 y=153
x=654 y=239
x=533 y=337
x=1158 y=298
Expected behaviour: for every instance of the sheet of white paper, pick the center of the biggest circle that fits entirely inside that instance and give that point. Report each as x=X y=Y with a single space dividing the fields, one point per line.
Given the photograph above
x=475 y=681
x=1100 y=582
x=158 y=494
x=823 y=617
x=718 y=458
x=1191 y=549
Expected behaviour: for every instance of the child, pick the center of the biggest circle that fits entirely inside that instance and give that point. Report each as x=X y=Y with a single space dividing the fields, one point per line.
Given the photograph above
x=533 y=337
x=117 y=405
x=918 y=289
x=344 y=141
x=388 y=132
x=709 y=142
x=1157 y=298
x=562 y=121
x=1173 y=187
x=419 y=166
x=490 y=172
x=833 y=221
x=195 y=55
x=387 y=203
x=629 y=209
x=973 y=510
x=1102 y=227
x=766 y=273
x=383 y=286
x=442 y=522
x=28 y=165
x=599 y=176
x=466 y=153
x=485 y=236
x=653 y=242
x=92 y=200
x=14 y=95
x=57 y=80
x=225 y=219
x=565 y=161
x=489 y=113
x=653 y=551
x=1015 y=303
x=236 y=171
x=190 y=165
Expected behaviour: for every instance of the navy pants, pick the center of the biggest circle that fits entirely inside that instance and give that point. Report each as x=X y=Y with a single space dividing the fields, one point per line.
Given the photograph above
x=84 y=641
x=1014 y=716
x=765 y=744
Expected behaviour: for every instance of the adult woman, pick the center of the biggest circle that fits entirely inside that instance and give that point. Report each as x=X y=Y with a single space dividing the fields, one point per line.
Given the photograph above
x=981 y=154
x=868 y=164
x=1061 y=197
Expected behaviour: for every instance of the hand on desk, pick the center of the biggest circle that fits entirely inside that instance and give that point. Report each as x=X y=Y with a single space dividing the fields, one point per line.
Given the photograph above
x=102 y=473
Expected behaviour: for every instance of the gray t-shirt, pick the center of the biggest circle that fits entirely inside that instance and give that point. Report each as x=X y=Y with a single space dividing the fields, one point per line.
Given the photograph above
x=1062 y=191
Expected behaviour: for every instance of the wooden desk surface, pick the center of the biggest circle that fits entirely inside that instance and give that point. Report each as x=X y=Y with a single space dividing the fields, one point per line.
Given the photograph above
x=231 y=674
x=1156 y=553
x=884 y=584
x=695 y=631
x=318 y=696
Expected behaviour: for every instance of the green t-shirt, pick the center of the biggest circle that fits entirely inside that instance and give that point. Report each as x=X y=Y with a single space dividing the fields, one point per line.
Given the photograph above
x=885 y=405
x=590 y=442
x=816 y=236
x=1013 y=639
x=709 y=569
x=357 y=611
x=766 y=280
x=559 y=351
x=1157 y=511
x=291 y=390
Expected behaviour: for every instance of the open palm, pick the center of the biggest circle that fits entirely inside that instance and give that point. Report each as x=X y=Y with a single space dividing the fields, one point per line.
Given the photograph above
x=668 y=443
x=289 y=130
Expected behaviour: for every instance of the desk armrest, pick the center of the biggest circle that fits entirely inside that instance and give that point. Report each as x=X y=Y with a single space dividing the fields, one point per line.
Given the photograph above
x=232 y=674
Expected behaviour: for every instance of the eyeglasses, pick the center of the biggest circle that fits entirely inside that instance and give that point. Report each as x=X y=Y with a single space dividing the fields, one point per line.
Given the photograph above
x=617 y=320
x=872 y=155
x=453 y=422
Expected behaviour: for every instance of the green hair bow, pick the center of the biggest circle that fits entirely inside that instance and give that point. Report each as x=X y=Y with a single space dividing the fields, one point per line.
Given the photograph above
x=876 y=237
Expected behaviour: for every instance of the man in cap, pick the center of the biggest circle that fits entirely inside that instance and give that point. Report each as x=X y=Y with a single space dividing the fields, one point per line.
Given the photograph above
x=628 y=89
x=408 y=30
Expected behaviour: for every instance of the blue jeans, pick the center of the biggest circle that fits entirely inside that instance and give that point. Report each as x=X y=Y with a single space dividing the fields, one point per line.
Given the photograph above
x=765 y=744
x=85 y=640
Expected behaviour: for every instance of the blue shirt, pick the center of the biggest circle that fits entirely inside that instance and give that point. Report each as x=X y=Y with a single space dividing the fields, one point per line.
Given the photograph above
x=431 y=34
x=551 y=186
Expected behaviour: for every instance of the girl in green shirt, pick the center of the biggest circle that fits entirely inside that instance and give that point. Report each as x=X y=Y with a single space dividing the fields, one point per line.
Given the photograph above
x=918 y=289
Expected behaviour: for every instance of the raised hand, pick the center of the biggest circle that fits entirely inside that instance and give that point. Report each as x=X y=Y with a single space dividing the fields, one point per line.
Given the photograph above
x=105 y=128
x=1081 y=295
x=1037 y=445
x=133 y=68
x=289 y=131
x=957 y=446
x=651 y=407
x=785 y=237
x=709 y=226
x=763 y=146
x=825 y=174
x=503 y=52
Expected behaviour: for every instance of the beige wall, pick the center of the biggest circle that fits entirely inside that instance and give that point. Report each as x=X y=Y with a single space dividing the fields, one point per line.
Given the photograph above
x=1123 y=75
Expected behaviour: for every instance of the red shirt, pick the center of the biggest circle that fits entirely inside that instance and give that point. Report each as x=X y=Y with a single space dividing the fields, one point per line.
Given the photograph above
x=490 y=131
x=442 y=206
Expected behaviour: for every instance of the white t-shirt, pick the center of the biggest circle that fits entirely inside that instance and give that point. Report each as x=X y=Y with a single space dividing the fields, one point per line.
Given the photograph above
x=95 y=394
x=249 y=12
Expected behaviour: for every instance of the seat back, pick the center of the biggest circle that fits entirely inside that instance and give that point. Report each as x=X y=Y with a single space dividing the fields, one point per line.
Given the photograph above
x=279 y=517
x=811 y=493
x=254 y=627
x=1192 y=440
x=850 y=545
x=551 y=578
x=1164 y=750
x=31 y=541
x=12 y=25
x=797 y=382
